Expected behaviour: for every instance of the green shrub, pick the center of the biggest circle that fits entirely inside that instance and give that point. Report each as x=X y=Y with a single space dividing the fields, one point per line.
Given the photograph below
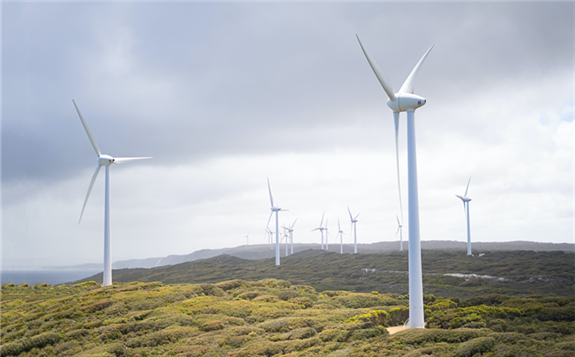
x=368 y=333
x=11 y=349
x=329 y=334
x=212 y=325
x=230 y=284
x=39 y=341
x=75 y=334
x=266 y=298
x=376 y=317
x=476 y=345
x=299 y=334
x=416 y=336
x=303 y=302
x=568 y=345
x=289 y=323
x=97 y=305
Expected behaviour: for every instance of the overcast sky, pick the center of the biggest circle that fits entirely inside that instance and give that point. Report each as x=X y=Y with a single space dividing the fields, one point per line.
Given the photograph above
x=224 y=95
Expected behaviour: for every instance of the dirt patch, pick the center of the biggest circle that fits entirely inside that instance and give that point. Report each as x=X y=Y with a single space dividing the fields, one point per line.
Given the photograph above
x=394 y=329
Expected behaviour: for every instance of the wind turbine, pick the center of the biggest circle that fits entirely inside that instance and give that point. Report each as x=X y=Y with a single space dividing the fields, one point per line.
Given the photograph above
x=269 y=233
x=290 y=231
x=320 y=228
x=400 y=231
x=353 y=226
x=466 y=200
x=406 y=101
x=103 y=160
x=340 y=232
x=276 y=210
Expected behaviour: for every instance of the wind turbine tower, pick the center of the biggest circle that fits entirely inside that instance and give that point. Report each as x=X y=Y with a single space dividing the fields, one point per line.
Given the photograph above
x=340 y=232
x=466 y=201
x=320 y=229
x=353 y=226
x=290 y=231
x=400 y=231
x=106 y=161
x=406 y=101
x=276 y=210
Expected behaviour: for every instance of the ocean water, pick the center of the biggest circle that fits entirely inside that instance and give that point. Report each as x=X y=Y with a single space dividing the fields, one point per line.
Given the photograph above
x=52 y=277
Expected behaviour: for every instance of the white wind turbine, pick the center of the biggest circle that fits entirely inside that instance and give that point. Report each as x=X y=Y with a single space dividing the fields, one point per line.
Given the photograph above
x=320 y=228
x=290 y=231
x=270 y=234
x=340 y=232
x=103 y=160
x=353 y=226
x=276 y=210
x=286 y=238
x=400 y=231
x=406 y=101
x=466 y=200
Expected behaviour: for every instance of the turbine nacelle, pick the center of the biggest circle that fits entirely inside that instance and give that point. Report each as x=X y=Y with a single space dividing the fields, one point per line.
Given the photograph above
x=406 y=101
x=464 y=199
x=104 y=160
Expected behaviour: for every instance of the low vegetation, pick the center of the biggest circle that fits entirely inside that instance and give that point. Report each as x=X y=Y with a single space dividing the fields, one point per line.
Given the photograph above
x=446 y=273
x=272 y=317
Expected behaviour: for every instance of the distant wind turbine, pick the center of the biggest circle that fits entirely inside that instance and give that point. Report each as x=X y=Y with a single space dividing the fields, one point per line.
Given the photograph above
x=466 y=201
x=400 y=231
x=276 y=210
x=270 y=234
x=320 y=229
x=340 y=232
x=290 y=231
x=248 y=238
x=103 y=160
x=406 y=101
x=353 y=227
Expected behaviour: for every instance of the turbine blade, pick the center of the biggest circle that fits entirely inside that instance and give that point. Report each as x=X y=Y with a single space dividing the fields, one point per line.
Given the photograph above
x=269 y=219
x=467 y=188
x=396 y=122
x=321 y=223
x=407 y=86
x=383 y=80
x=397 y=231
x=121 y=160
x=357 y=216
x=88 y=131
x=89 y=190
x=350 y=216
x=338 y=226
x=293 y=224
x=270 y=190
x=398 y=224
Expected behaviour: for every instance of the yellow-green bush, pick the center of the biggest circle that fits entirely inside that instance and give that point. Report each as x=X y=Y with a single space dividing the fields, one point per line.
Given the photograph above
x=212 y=325
x=476 y=345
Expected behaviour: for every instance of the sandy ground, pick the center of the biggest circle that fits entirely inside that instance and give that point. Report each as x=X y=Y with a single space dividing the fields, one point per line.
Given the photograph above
x=394 y=329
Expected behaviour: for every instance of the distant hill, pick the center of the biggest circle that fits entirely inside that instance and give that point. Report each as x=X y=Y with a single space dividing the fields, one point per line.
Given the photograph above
x=446 y=273
x=263 y=251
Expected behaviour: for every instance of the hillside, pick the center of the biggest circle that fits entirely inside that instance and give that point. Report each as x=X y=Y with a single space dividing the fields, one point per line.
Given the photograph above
x=272 y=317
x=263 y=251
x=446 y=273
